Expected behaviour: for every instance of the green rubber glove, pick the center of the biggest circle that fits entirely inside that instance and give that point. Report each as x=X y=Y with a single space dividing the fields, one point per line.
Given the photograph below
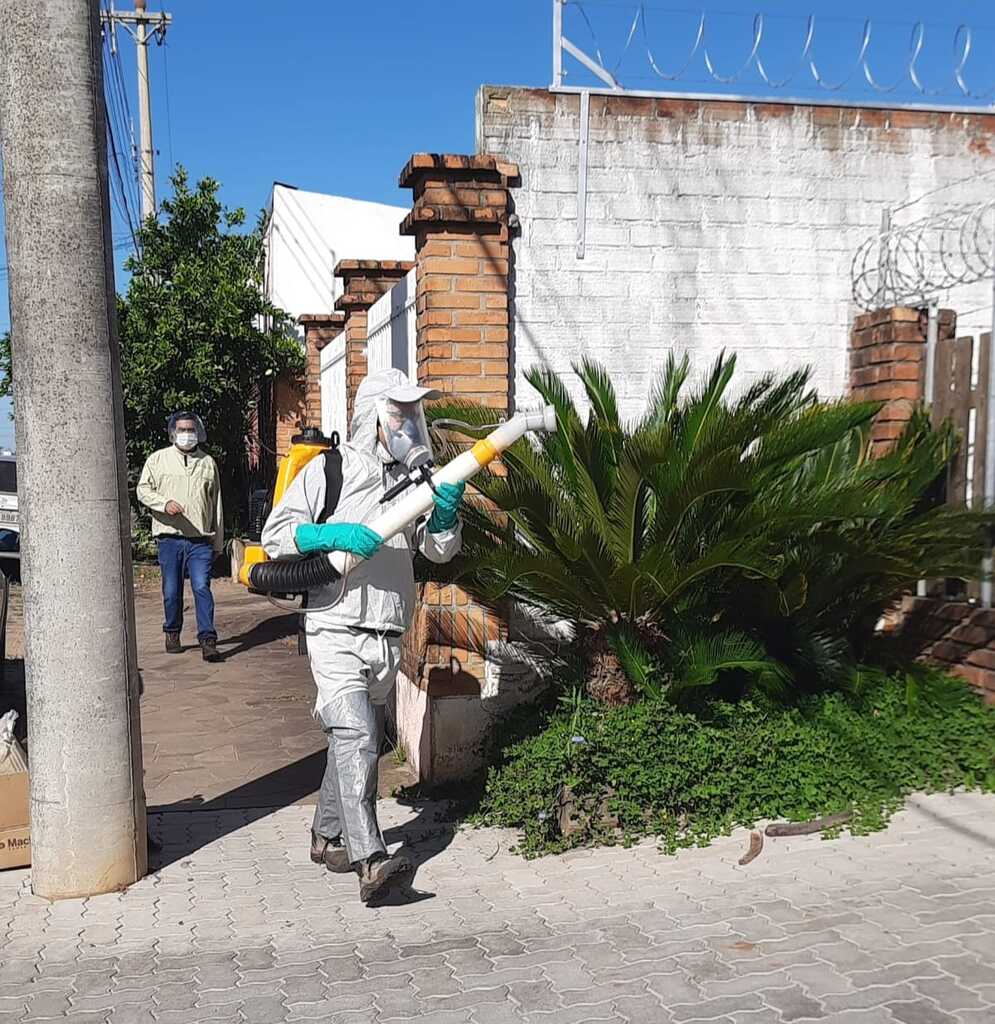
x=447 y=498
x=353 y=538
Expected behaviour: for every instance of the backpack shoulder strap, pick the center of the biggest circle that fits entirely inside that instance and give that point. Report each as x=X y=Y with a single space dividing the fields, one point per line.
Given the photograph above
x=333 y=482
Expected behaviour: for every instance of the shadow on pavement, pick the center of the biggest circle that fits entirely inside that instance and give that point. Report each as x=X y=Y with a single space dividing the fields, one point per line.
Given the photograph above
x=179 y=830
x=277 y=627
x=961 y=827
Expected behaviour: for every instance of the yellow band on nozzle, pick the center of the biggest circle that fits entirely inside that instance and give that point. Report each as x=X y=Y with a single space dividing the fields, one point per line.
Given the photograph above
x=484 y=451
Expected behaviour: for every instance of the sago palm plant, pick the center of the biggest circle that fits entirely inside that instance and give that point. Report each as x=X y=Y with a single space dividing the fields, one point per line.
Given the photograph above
x=724 y=541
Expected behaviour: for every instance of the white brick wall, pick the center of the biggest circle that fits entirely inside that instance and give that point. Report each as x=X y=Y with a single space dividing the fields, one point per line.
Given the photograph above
x=706 y=233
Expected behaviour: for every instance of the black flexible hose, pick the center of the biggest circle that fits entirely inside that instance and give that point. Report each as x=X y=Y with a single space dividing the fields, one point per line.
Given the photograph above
x=293 y=576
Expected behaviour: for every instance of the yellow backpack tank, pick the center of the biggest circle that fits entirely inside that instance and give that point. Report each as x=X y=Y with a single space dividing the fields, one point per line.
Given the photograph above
x=305 y=446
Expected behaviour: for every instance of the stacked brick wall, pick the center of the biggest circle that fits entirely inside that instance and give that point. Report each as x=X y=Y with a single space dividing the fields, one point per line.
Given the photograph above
x=887 y=364
x=290 y=411
x=364 y=282
x=460 y=221
x=954 y=635
x=711 y=225
x=319 y=330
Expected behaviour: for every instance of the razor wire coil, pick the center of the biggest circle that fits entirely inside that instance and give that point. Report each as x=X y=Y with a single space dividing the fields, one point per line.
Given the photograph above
x=807 y=63
x=921 y=260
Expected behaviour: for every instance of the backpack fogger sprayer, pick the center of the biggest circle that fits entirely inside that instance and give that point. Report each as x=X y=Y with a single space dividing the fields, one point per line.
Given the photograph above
x=298 y=575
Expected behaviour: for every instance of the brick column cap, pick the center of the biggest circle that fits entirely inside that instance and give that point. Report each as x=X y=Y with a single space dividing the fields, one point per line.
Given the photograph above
x=899 y=314
x=366 y=280
x=349 y=269
x=423 y=215
x=456 y=165
x=331 y=319
x=466 y=193
x=318 y=321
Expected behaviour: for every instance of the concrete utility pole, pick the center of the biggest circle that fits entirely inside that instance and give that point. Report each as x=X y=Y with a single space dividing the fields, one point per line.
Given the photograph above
x=143 y=27
x=88 y=831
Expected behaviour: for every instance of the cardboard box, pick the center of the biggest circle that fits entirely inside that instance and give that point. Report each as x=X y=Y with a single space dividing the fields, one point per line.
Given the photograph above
x=15 y=830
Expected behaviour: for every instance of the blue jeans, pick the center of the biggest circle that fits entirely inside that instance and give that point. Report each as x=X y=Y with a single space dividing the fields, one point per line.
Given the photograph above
x=179 y=557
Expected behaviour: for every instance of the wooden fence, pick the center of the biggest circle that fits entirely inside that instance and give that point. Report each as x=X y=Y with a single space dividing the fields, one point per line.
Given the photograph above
x=960 y=394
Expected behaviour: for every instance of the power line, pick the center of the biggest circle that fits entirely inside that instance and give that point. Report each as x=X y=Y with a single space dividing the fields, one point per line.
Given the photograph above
x=143 y=27
x=119 y=92
x=115 y=112
x=117 y=166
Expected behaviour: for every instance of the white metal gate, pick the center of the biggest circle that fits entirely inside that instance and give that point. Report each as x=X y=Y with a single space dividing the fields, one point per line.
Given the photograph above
x=391 y=327
x=333 y=388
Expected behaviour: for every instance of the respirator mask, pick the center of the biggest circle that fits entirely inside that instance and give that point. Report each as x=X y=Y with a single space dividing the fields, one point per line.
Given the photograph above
x=405 y=433
x=183 y=437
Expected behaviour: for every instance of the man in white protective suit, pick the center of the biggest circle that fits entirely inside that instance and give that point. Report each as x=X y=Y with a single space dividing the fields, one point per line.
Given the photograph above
x=354 y=628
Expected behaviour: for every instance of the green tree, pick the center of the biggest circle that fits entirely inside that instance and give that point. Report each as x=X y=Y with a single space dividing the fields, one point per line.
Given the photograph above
x=195 y=330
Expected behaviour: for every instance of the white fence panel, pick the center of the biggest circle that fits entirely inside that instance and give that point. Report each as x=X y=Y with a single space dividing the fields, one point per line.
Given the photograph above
x=391 y=329
x=332 y=382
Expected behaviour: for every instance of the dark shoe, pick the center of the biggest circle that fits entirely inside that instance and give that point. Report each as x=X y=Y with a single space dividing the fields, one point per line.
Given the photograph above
x=378 y=872
x=173 y=645
x=209 y=650
x=329 y=852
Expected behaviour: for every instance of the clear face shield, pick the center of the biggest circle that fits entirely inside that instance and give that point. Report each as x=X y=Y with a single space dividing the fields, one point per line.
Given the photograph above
x=186 y=430
x=405 y=433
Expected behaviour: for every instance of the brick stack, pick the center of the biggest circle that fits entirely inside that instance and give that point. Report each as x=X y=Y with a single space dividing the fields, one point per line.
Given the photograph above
x=365 y=281
x=887 y=364
x=289 y=411
x=319 y=330
x=954 y=635
x=460 y=223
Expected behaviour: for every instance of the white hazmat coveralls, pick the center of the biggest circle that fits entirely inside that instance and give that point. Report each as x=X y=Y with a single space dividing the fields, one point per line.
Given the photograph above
x=354 y=645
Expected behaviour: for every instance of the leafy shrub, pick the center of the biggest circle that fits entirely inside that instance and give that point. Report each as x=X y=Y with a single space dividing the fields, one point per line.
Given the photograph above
x=728 y=544
x=688 y=778
x=143 y=545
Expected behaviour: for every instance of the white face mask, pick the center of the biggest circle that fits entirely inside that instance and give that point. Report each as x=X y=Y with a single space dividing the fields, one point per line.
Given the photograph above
x=186 y=440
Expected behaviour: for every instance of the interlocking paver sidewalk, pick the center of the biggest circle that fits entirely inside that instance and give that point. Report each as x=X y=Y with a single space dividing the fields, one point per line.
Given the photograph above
x=239 y=926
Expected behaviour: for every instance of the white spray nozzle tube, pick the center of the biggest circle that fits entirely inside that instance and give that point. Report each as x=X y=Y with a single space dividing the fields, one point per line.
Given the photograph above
x=466 y=465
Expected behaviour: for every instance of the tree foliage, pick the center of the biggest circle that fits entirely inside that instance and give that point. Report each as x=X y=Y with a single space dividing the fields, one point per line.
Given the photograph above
x=195 y=330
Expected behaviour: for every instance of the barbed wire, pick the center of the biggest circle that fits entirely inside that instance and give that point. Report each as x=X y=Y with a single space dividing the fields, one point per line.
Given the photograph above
x=963 y=46
x=909 y=265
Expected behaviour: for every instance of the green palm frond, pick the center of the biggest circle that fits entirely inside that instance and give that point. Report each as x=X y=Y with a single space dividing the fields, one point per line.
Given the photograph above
x=702 y=659
x=753 y=529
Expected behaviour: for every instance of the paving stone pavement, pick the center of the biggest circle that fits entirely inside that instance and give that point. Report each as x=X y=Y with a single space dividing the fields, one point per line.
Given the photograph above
x=238 y=926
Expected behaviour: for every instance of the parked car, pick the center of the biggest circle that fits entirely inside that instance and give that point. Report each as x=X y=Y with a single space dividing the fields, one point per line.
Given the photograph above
x=10 y=523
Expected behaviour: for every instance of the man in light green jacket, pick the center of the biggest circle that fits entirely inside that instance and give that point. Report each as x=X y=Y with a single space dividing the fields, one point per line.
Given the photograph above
x=181 y=487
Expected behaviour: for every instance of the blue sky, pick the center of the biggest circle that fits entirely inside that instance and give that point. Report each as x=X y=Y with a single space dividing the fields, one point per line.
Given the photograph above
x=335 y=96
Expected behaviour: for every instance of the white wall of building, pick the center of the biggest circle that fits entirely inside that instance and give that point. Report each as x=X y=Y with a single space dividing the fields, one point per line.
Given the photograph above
x=710 y=227
x=308 y=233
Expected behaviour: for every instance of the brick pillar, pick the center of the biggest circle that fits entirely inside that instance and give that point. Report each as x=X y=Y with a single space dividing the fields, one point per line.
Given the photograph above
x=319 y=330
x=289 y=411
x=460 y=222
x=365 y=281
x=887 y=364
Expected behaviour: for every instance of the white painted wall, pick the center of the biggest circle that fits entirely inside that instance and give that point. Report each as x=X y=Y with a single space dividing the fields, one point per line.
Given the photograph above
x=391 y=329
x=332 y=386
x=704 y=234
x=308 y=233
